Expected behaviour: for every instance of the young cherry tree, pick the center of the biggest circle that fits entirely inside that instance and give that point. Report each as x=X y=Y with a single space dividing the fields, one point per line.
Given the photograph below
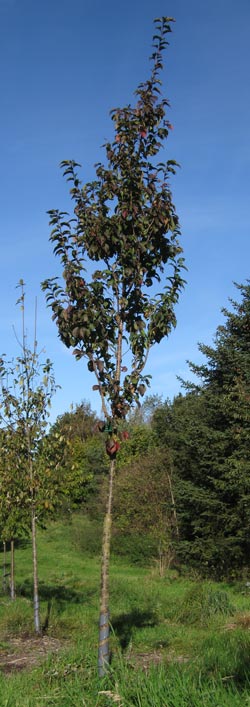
x=125 y=222
x=27 y=386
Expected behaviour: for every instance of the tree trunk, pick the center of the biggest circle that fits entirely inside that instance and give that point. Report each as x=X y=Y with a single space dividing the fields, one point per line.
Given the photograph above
x=4 y=567
x=35 y=574
x=103 y=646
x=173 y=503
x=12 y=570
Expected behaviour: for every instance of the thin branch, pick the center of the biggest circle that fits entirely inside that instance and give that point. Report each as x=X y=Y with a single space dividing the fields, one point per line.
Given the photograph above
x=104 y=408
x=16 y=337
x=35 y=329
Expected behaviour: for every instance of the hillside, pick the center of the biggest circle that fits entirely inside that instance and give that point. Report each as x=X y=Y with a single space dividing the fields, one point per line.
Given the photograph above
x=175 y=640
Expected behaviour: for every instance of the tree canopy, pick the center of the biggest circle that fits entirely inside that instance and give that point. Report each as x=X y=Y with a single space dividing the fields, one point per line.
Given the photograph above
x=208 y=430
x=125 y=222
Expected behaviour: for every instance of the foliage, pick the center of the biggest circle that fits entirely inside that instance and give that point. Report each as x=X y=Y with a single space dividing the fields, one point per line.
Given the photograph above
x=201 y=438
x=27 y=386
x=78 y=423
x=85 y=462
x=143 y=503
x=208 y=431
x=14 y=509
x=126 y=222
x=140 y=442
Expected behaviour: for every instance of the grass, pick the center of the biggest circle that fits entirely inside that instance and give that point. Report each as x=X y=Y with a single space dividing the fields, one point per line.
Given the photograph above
x=175 y=643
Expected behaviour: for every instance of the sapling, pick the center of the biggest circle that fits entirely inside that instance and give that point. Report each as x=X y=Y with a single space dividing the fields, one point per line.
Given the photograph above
x=125 y=224
x=27 y=386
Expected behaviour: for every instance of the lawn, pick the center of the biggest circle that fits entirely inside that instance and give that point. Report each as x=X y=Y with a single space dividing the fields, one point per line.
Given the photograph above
x=176 y=641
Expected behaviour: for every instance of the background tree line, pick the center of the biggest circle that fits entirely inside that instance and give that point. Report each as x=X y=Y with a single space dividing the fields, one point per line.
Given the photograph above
x=182 y=488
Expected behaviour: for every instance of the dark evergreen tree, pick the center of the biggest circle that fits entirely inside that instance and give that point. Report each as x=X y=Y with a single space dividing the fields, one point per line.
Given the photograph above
x=208 y=431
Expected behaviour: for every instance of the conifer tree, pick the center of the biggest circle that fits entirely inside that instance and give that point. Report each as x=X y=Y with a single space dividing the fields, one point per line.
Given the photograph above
x=208 y=430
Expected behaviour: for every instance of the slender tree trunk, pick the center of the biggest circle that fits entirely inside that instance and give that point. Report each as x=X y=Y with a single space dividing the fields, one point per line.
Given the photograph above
x=12 y=570
x=103 y=646
x=35 y=574
x=4 y=567
x=173 y=503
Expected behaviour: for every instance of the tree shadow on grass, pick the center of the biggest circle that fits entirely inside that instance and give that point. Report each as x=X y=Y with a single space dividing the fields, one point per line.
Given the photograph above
x=124 y=624
x=19 y=543
x=56 y=594
x=51 y=591
x=60 y=594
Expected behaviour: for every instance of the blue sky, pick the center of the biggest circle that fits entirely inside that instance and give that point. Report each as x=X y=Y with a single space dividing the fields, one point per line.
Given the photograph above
x=63 y=66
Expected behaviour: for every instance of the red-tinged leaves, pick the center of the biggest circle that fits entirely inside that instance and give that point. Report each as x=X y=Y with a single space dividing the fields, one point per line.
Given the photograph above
x=100 y=365
x=78 y=353
x=125 y=435
x=125 y=221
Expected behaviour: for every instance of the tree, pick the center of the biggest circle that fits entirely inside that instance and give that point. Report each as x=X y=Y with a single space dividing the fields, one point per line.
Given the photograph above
x=79 y=422
x=83 y=461
x=14 y=515
x=225 y=378
x=144 y=509
x=125 y=221
x=208 y=431
x=27 y=386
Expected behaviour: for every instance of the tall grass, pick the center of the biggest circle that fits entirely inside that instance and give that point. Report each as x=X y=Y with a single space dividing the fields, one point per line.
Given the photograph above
x=203 y=602
x=72 y=682
x=175 y=643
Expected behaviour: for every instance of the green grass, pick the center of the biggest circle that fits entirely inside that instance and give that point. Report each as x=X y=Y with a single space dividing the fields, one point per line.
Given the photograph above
x=175 y=643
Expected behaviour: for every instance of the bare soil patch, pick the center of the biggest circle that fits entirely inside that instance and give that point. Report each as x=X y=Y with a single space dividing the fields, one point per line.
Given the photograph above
x=146 y=660
x=24 y=653
x=240 y=621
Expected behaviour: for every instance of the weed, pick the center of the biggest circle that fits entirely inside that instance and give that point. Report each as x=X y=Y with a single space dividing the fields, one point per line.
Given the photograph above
x=203 y=602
